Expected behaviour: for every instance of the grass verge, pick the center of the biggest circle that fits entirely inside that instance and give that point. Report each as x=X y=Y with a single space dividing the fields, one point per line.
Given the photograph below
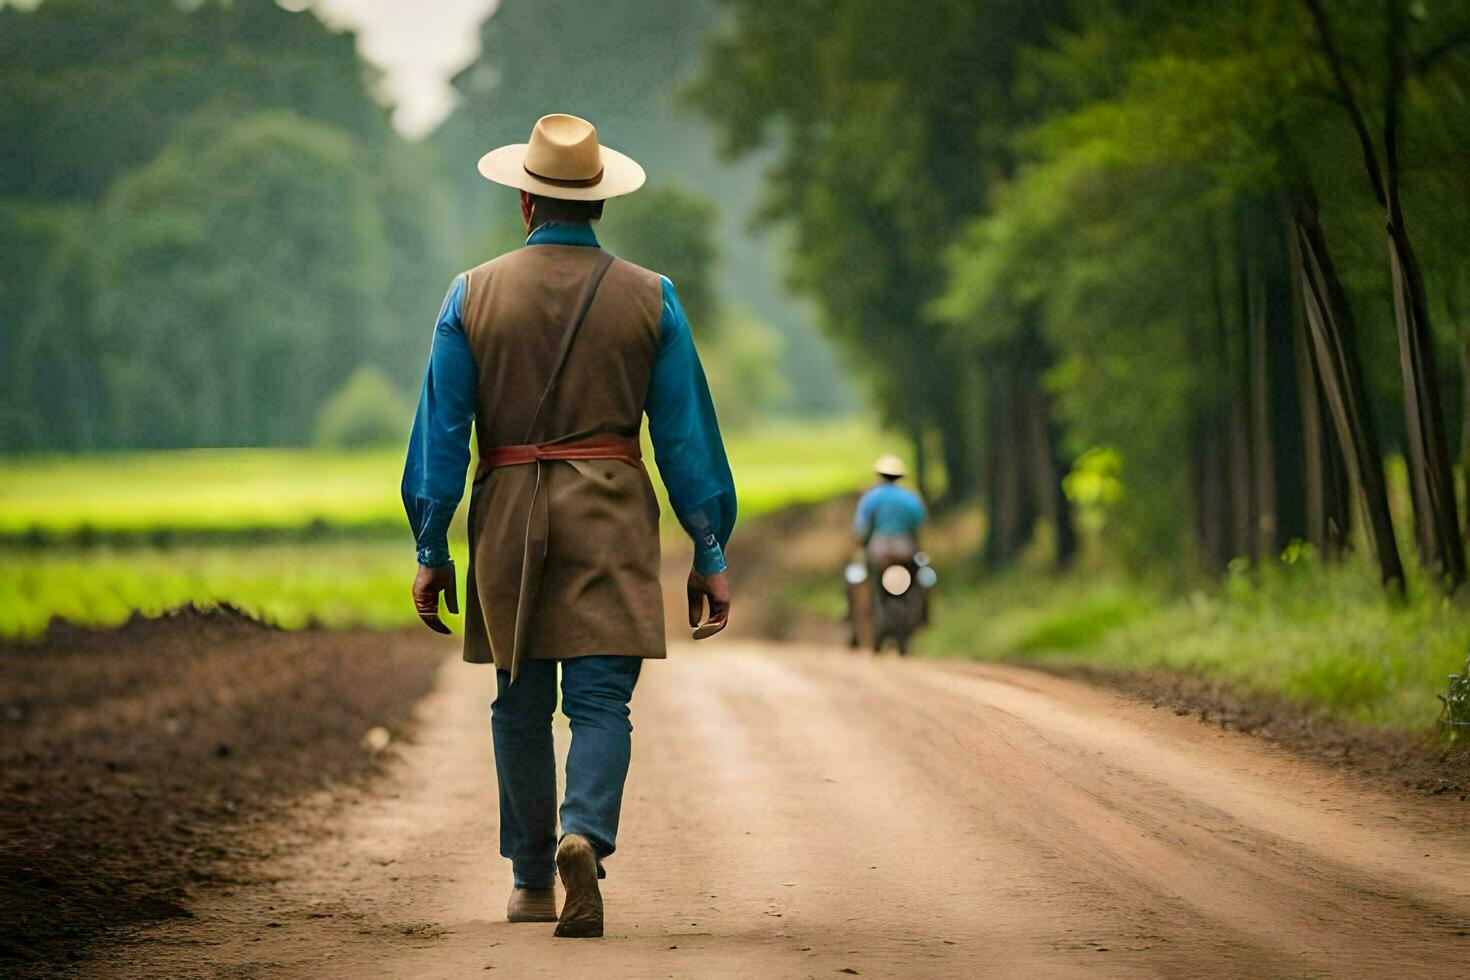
x=1323 y=637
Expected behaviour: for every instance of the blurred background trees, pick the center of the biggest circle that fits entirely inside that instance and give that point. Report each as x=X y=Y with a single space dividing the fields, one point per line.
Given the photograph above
x=212 y=225
x=208 y=225
x=1165 y=231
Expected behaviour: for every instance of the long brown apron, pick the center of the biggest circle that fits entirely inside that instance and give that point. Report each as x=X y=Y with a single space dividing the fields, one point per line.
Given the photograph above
x=537 y=450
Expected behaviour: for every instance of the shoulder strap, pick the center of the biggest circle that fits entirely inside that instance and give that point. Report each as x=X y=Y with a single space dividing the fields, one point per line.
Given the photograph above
x=589 y=293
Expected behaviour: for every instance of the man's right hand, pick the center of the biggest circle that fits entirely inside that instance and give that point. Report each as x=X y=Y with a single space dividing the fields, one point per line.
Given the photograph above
x=714 y=589
x=426 y=588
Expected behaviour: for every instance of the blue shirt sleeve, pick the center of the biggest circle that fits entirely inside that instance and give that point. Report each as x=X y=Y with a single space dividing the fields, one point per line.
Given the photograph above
x=686 y=440
x=439 y=447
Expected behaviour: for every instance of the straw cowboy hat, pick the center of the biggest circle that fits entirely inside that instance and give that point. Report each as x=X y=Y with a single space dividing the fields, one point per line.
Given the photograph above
x=890 y=466
x=563 y=160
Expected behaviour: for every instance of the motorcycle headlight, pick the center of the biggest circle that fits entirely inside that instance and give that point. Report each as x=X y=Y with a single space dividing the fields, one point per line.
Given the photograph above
x=921 y=559
x=927 y=577
x=856 y=573
x=896 y=580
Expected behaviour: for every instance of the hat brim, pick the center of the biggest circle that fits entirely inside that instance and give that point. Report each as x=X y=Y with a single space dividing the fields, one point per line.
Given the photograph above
x=507 y=165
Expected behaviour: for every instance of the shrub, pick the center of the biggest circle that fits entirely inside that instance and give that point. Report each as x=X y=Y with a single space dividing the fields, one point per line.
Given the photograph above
x=366 y=412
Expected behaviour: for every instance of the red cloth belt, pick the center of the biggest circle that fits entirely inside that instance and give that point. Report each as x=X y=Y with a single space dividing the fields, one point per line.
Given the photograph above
x=626 y=449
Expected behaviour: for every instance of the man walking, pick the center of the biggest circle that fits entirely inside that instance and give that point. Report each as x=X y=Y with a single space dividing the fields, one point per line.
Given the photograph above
x=555 y=352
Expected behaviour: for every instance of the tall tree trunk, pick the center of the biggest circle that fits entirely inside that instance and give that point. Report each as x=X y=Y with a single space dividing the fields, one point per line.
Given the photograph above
x=1064 y=529
x=955 y=447
x=1211 y=506
x=1238 y=359
x=1334 y=345
x=1443 y=553
x=1023 y=467
x=1272 y=443
x=1260 y=475
x=1464 y=334
x=1278 y=410
x=1003 y=503
x=921 y=458
x=1049 y=465
x=1326 y=495
x=1238 y=480
x=1207 y=346
x=1436 y=518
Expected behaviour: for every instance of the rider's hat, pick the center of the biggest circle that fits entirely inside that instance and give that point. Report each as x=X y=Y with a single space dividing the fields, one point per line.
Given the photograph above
x=890 y=466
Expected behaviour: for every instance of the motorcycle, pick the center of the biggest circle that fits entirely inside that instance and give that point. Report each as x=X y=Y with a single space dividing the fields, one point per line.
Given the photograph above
x=896 y=605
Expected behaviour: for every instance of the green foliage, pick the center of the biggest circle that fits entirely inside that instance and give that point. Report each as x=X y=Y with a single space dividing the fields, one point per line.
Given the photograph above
x=96 y=88
x=1161 y=118
x=1455 y=716
x=284 y=195
x=368 y=412
x=1322 y=635
x=209 y=212
x=672 y=233
x=744 y=365
x=884 y=141
x=1087 y=175
x=1081 y=624
x=1337 y=680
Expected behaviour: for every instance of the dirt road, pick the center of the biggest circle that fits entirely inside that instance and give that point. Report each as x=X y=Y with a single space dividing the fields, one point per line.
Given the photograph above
x=800 y=812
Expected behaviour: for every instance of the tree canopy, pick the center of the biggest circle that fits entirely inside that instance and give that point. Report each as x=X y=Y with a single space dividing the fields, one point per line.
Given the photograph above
x=211 y=222
x=1153 y=230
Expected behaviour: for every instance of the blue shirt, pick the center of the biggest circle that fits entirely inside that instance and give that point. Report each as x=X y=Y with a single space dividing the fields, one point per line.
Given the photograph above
x=681 y=425
x=888 y=509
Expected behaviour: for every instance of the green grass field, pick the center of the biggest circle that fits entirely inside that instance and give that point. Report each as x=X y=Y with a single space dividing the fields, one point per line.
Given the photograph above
x=198 y=490
x=332 y=583
x=225 y=491
x=349 y=556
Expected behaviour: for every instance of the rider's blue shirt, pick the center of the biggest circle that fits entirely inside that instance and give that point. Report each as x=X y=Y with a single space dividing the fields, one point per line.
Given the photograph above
x=888 y=509
x=681 y=426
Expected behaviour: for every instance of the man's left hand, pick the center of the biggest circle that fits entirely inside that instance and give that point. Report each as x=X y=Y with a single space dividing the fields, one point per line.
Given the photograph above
x=426 y=588
x=714 y=590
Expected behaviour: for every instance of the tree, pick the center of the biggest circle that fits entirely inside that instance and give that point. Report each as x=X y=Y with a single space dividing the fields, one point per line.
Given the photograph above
x=672 y=233
x=881 y=156
x=169 y=168
x=238 y=278
x=1184 y=118
x=1430 y=465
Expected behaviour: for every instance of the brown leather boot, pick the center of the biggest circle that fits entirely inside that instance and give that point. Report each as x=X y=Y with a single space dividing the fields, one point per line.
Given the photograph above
x=581 y=913
x=531 y=905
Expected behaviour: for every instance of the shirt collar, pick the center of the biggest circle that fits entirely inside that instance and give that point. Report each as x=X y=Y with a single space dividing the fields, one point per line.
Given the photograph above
x=559 y=233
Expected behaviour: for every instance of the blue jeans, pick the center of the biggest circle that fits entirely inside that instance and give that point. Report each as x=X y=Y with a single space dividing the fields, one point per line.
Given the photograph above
x=594 y=696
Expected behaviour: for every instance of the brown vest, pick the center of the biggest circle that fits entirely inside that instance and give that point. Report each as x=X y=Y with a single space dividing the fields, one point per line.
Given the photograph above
x=598 y=590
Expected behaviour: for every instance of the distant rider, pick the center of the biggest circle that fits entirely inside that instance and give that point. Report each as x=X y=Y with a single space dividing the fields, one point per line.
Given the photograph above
x=889 y=516
x=886 y=525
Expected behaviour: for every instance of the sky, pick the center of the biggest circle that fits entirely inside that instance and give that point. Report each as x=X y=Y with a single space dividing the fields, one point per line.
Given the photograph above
x=419 y=45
